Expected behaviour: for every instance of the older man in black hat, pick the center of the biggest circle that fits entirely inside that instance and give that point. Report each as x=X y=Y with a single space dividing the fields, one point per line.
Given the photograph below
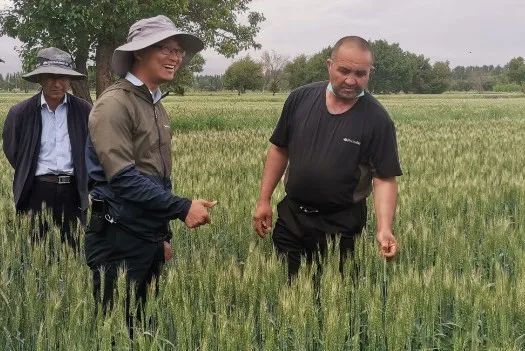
x=129 y=160
x=44 y=140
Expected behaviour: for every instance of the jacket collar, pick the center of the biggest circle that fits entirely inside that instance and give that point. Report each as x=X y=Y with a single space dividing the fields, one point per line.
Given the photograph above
x=140 y=91
x=156 y=95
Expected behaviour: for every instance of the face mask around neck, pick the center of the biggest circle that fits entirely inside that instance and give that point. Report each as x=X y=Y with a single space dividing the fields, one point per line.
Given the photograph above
x=330 y=88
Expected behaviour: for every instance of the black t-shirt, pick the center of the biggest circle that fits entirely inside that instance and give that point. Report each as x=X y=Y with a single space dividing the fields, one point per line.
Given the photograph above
x=332 y=158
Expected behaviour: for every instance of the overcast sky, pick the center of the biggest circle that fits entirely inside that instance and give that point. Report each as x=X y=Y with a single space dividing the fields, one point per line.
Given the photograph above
x=464 y=32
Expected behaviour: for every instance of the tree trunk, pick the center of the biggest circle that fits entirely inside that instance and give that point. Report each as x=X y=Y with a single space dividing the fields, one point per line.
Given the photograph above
x=81 y=86
x=103 y=64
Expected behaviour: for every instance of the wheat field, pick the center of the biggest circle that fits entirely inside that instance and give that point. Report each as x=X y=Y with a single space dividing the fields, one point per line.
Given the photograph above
x=457 y=284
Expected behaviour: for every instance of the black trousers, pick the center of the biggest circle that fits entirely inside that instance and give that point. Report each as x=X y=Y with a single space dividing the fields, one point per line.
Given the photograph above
x=63 y=202
x=110 y=249
x=298 y=234
x=311 y=247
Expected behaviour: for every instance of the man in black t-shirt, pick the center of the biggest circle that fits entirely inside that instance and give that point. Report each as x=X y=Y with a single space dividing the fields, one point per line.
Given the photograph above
x=337 y=141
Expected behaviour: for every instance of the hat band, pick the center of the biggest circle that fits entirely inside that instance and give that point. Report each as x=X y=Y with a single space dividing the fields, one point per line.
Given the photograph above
x=54 y=63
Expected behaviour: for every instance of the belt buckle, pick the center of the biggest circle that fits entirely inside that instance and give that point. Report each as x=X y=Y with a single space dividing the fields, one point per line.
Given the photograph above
x=308 y=210
x=64 y=179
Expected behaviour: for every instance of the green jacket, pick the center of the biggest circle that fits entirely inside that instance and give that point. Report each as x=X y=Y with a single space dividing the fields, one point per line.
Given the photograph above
x=129 y=160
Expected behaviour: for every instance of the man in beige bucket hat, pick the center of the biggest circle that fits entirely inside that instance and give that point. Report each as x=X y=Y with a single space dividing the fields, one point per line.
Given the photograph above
x=129 y=161
x=44 y=139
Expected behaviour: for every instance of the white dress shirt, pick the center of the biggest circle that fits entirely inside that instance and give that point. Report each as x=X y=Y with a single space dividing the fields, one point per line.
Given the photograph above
x=55 y=147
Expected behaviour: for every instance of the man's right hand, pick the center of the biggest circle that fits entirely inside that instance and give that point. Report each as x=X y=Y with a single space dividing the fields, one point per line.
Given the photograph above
x=198 y=213
x=262 y=219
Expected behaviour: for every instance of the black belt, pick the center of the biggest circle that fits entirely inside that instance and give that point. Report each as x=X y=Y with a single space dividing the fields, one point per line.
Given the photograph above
x=310 y=210
x=56 y=179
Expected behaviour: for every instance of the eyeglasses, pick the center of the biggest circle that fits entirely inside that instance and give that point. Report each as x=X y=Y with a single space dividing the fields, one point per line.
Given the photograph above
x=164 y=50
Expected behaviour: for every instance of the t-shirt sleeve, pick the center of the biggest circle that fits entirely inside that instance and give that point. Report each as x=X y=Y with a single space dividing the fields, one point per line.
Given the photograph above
x=281 y=133
x=384 y=156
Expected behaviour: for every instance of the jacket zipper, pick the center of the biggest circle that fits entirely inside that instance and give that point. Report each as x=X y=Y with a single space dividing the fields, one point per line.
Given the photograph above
x=160 y=150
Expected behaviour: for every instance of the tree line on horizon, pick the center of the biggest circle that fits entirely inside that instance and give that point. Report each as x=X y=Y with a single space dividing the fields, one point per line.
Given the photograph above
x=395 y=71
x=90 y=31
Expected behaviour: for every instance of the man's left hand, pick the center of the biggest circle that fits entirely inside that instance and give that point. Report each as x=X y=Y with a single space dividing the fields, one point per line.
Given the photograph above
x=168 y=252
x=387 y=244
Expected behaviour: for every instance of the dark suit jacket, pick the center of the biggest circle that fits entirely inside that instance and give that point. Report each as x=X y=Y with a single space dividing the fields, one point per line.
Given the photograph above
x=21 y=144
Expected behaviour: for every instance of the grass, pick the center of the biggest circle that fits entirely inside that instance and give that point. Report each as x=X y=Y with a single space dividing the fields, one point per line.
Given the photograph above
x=458 y=283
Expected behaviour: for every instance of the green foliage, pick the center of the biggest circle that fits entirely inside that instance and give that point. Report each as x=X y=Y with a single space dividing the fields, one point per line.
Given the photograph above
x=208 y=82
x=396 y=70
x=420 y=74
x=516 y=70
x=317 y=69
x=480 y=78
x=97 y=27
x=303 y=70
x=75 y=24
x=244 y=74
x=461 y=85
x=15 y=82
x=392 y=71
x=48 y=23
x=296 y=72
x=509 y=87
x=440 y=80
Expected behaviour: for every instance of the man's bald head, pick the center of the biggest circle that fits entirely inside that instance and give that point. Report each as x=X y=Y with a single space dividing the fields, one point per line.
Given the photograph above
x=349 y=67
x=352 y=41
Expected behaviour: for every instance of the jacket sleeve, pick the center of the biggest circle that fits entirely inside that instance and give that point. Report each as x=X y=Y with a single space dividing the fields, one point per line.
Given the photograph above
x=110 y=128
x=131 y=185
x=9 y=138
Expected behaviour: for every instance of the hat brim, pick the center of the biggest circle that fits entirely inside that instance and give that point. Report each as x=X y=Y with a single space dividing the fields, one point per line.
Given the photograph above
x=33 y=75
x=123 y=55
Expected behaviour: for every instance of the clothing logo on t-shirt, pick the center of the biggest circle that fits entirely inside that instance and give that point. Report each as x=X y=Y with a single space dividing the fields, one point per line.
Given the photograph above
x=348 y=140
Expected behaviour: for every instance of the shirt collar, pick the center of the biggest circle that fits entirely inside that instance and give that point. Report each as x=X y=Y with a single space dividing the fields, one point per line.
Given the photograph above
x=43 y=102
x=156 y=95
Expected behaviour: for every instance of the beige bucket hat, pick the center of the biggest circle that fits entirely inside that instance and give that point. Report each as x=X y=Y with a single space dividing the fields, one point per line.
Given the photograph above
x=147 y=32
